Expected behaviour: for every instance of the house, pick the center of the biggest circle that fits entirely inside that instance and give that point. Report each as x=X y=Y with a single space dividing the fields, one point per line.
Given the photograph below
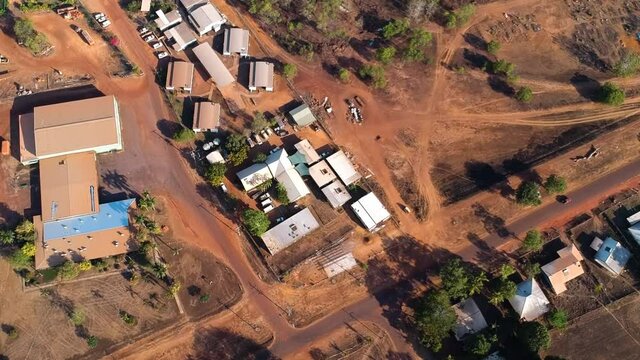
x=321 y=173
x=563 y=269
x=610 y=254
x=165 y=21
x=304 y=147
x=469 y=319
x=73 y=225
x=289 y=231
x=529 y=301
x=302 y=115
x=371 y=212
x=236 y=41
x=253 y=176
x=145 y=5
x=634 y=230
x=213 y=65
x=189 y=5
x=206 y=116
x=179 y=76
x=336 y=194
x=215 y=157
x=70 y=127
x=260 y=75
x=343 y=167
x=205 y=18
x=181 y=36
x=284 y=172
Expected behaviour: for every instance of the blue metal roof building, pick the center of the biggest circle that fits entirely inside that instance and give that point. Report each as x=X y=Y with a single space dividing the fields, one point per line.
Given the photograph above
x=111 y=215
x=612 y=256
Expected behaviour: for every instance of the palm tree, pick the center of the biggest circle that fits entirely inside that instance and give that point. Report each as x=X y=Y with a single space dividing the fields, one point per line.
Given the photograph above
x=147 y=202
x=159 y=270
x=6 y=237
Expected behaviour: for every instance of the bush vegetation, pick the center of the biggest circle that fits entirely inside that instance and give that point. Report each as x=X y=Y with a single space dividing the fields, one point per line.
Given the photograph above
x=524 y=94
x=394 y=28
x=256 y=221
x=29 y=37
x=215 y=173
x=344 y=75
x=611 y=94
x=236 y=146
x=434 y=319
x=416 y=44
x=628 y=65
x=532 y=241
x=375 y=75
x=493 y=47
x=528 y=194
x=184 y=135
x=281 y=194
x=555 y=184
x=290 y=71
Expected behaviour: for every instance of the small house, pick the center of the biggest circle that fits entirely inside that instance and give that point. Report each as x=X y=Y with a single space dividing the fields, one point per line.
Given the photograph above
x=343 y=167
x=206 y=18
x=302 y=115
x=563 y=269
x=179 y=76
x=261 y=75
x=610 y=254
x=236 y=41
x=181 y=36
x=529 y=301
x=371 y=212
x=206 y=116
x=336 y=194
x=290 y=230
x=469 y=319
x=165 y=21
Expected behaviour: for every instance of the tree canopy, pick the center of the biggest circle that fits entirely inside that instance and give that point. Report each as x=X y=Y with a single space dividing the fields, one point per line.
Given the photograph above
x=611 y=94
x=418 y=40
x=434 y=318
x=459 y=281
x=6 y=237
x=236 y=146
x=290 y=71
x=558 y=318
x=386 y=54
x=394 y=28
x=555 y=184
x=534 y=336
x=493 y=46
x=256 y=221
x=375 y=74
x=184 y=135
x=502 y=290
x=524 y=94
x=69 y=270
x=528 y=193
x=281 y=194
x=259 y=122
x=480 y=344
x=533 y=241
x=215 y=173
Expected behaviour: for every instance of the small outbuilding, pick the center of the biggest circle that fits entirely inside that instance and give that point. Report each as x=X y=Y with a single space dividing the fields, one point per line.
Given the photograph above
x=205 y=18
x=611 y=255
x=343 y=167
x=469 y=319
x=206 y=116
x=165 y=21
x=336 y=194
x=371 y=212
x=302 y=115
x=215 y=157
x=290 y=230
x=179 y=76
x=304 y=147
x=261 y=75
x=236 y=41
x=529 y=301
x=145 y=5
x=181 y=36
x=321 y=173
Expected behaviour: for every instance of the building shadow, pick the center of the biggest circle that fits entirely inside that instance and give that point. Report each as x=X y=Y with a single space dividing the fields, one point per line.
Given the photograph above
x=8 y=217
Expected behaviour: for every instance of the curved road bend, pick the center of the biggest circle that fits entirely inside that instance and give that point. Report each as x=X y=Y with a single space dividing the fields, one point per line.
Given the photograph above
x=154 y=157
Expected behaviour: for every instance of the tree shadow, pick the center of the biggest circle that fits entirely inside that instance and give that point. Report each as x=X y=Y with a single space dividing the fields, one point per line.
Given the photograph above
x=500 y=85
x=219 y=344
x=482 y=174
x=493 y=224
x=475 y=41
x=168 y=128
x=363 y=47
x=474 y=59
x=113 y=179
x=8 y=216
x=586 y=86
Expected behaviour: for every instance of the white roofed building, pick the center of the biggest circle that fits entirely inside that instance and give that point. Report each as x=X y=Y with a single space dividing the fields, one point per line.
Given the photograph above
x=253 y=176
x=302 y=115
x=165 y=21
x=205 y=18
x=304 y=147
x=289 y=231
x=181 y=36
x=470 y=319
x=236 y=41
x=336 y=194
x=321 y=173
x=371 y=212
x=344 y=168
x=192 y=4
x=145 y=5
x=529 y=301
x=294 y=184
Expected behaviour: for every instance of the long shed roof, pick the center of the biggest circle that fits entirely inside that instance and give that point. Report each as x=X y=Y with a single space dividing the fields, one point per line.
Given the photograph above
x=214 y=66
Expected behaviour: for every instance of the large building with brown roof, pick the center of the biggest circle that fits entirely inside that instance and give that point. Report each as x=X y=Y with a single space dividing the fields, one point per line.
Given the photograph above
x=73 y=225
x=70 y=127
x=179 y=76
x=206 y=116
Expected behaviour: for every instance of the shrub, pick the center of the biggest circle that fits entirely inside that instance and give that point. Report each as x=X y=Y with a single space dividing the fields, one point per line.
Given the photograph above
x=92 y=342
x=184 y=135
x=628 y=65
x=6 y=237
x=394 y=28
x=85 y=265
x=13 y=333
x=260 y=158
x=265 y=9
x=133 y=6
x=344 y=75
x=531 y=269
x=281 y=194
x=555 y=184
x=502 y=67
x=28 y=249
x=528 y=194
x=77 y=317
x=534 y=336
x=558 y=319
x=464 y=13
x=493 y=46
x=29 y=37
x=502 y=290
x=69 y=270
x=290 y=71
x=204 y=298
x=256 y=221
x=173 y=289
x=19 y=260
x=215 y=173
x=611 y=94
x=434 y=319
x=506 y=270
x=524 y=94
x=386 y=54
x=259 y=122
x=532 y=241
x=417 y=42
x=25 y=232
x=451 y=21
x=480 y=344
x=375 y=74
x=128 y=318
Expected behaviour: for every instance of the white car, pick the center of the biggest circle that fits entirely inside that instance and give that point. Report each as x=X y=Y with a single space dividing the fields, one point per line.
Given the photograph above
x=98 y=15
x=162 y=54
x=143 y=30
x=156 y=45
x=149 y=38
x=106 y=24
x=101 y=19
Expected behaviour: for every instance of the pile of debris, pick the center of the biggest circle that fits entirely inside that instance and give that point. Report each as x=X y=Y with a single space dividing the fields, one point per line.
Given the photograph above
x=514 y=27
x=354 y=112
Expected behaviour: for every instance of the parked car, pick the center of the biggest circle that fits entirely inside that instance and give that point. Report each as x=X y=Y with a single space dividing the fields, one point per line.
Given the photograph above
x=98 y=15
x=106 y=24
x=266 y=203
x=143 y=30
x=101 y=18
x=163 y=54
x=224 y=188
x=268 y=208
x=257 y=138
x=563 y=199
x=149 y=38
x=156 y=45
x=251 y=143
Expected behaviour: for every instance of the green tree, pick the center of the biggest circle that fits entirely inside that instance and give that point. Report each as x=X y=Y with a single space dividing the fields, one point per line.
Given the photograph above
x=6 y=237
x=528 y=194
x=236 y=146
x=480 y=344
x=259 y=122
x=133 y=6
x=502 y=67
x=77 y=317
x=434 y=319
x=19 y=260
x=256 y=221
x=531 y=269
x=534 y=336
x=25 y=232
x=451 y=21
x=92 y=342
x=394 y=28
x=147 y=201
x=85 y=265
x=558 y=318
x=344 y=75
x=493 y=47
x=611 y=94
x=417 y=42
x=459 y=281
x=375 y=75
x=23 y=30
x=69 y=270
x=159 y=270
x=265 y=9
x=533 y=241
x=555 y=184
x=281 y=194
x=184 y=135
x=506 y=270
x=260 y=158
x=290 y=71
x=28 y=249
x=628 y=65
x=464 y=13
x=502 y=290
x=215 y=173
x=173 y=289
x=386 y=54
x=524 y=94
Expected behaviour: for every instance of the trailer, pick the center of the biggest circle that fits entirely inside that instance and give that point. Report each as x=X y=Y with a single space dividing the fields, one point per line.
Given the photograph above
x=85 y=35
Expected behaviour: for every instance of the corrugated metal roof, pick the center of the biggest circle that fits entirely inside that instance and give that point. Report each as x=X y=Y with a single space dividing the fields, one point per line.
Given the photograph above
x=214 y=66
x=261 y=75
x=337 y=194
x=612 y=255
x=469 y=318
x=310 y=154
x=529 y=301
x=343 y=167
x=302 y=115
x=206 y=115
x=371 y=211
x=294 y=184
x=290 y=230
x=322 y=174
x=179 y=75
x=254 y=175
x=236 y=41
